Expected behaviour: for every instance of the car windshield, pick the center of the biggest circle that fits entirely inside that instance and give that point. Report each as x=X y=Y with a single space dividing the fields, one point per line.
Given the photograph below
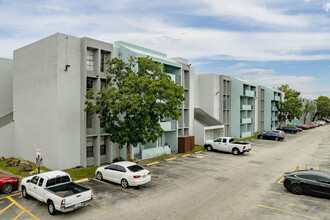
x=135 y=168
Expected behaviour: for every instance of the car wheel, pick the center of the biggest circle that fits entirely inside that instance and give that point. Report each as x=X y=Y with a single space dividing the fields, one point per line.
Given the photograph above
x=276 y=139
x=297 y=189
x=51 y=208
x=99 y=176
x=260 y=137
x=124 y=183
x=209 y=148
x=236 y=151
x=24 y=193
x=6 y=188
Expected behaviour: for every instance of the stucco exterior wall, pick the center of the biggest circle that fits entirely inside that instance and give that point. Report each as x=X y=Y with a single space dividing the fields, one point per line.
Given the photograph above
x=47 y=101
x=6 y=86
x=7 y=140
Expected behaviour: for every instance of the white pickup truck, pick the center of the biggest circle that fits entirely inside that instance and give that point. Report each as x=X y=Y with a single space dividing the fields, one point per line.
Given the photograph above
x=227 y=144
x=56 y=189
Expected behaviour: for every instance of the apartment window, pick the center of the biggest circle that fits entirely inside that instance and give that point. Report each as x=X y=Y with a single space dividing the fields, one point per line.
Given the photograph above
x=90 y=60
x=89 y=120
x=104 y=58
x=103 y=84
x=90 y=151
x=102 y=123
x=89 y=84
x=224 y=104
x=103 y=150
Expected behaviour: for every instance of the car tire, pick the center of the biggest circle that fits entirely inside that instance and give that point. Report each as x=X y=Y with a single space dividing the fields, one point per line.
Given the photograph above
x=6 y=188
x=260 y=137
x=51 y=208
x=297 y=189
x=276 y=139
x=124 y=183
x=209 y=148
x=24 y=192
x=236 y=151
x=99 y=176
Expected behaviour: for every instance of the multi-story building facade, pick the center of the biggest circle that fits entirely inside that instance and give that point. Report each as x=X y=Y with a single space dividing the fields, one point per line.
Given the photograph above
x=267 y=112
x=180 y=73
x=309 y=116
x=6 y=108
x=242 y=111
x=51 y=77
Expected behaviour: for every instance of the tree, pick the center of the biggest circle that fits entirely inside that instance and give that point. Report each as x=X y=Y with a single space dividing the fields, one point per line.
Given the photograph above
x=135 y=101
x=290 y=108
x=323 y=106
x=308 y=109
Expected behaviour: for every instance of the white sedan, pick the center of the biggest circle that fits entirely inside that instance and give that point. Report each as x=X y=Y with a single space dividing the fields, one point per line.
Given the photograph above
x=125 y=173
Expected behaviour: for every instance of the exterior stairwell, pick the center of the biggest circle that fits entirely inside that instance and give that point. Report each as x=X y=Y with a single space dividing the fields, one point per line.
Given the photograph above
x=6 y=119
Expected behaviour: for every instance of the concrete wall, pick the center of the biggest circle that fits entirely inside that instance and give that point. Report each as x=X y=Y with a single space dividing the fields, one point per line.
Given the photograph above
x=47 y=101
x=7 y=141
x=6 y=86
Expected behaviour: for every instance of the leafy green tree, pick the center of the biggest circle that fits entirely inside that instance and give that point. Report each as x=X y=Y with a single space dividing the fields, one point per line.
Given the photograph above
x=135 y=101
x=291 y=107
x=323 y=106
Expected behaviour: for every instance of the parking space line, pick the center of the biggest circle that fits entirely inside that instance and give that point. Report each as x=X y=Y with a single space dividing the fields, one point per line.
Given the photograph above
x=169 y=159
x=95 y=206
x=162 y=184
x=280 y=181
x=254 y=152
x=197 y=152
x=149 y=164
x=276 y=193
x=18 y=215
x=6 y=207
x=24 y=209
x=4 y=197
x=289 y=212
x=117 y=187
x=186 y=155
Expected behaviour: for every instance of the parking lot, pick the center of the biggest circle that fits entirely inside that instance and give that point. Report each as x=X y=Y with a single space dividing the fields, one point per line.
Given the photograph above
x=208 y=185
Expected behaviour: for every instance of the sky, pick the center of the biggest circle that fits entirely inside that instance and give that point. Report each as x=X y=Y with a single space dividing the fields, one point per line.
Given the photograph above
x=267 y=42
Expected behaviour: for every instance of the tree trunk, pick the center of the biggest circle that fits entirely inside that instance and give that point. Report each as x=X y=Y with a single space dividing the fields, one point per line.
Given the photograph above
x=128 y=152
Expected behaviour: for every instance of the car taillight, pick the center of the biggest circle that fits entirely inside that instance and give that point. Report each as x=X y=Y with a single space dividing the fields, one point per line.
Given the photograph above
x=92 y=194
x=138 y=176
x=63 y=202
x=148 y=173
x=244 y=147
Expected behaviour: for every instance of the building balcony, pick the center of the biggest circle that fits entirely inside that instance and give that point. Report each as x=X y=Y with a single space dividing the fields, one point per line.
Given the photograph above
x=246 y=107
x=246 y=120
x=274 y=108
x=274 y=118
x=277 y=98
x=249 y=93
x=169 y=125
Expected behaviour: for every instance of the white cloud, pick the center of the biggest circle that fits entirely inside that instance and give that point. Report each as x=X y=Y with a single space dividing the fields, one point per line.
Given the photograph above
x=52 y=8
x=307 y=1
x=326 y=7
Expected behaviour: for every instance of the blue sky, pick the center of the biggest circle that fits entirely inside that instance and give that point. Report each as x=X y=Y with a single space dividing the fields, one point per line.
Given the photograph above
x=269 y=42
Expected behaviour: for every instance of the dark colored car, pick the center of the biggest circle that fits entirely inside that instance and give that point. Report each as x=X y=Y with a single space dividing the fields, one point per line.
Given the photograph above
x=271 y=135
x=308 y=182
x=8 y=183
x=289 y=129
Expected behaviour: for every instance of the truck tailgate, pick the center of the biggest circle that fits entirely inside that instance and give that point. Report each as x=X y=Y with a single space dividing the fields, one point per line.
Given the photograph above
x=78 y=198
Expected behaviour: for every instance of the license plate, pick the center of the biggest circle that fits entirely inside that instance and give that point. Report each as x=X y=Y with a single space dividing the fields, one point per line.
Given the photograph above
x=144 y=176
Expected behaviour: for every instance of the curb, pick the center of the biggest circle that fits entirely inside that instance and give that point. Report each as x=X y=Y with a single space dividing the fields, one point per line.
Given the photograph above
x=81 y=180
x=169 y=159
x=149 y=164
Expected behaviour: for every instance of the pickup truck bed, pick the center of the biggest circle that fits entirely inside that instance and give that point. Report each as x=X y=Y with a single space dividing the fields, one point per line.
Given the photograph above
x=67 y=189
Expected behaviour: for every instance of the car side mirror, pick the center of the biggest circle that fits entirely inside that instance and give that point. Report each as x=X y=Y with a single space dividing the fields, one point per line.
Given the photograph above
x=28 y=181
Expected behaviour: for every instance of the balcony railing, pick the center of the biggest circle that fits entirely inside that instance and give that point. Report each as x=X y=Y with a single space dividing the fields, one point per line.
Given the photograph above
x=277 y=98
x=246 y=120
x=246 y=107
x=249 y=93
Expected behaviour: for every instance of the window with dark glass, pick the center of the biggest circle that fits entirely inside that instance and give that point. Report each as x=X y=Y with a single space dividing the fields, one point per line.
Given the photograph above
x=89 y=84
x=103 y=84
x=41 y=181
x=35 y=179
x=89 y=152
x=89 y=120
x=103 y=150
x=121 y=169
